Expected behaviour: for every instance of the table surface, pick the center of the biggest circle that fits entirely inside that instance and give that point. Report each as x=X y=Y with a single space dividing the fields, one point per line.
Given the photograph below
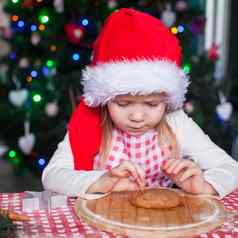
x=63 y=222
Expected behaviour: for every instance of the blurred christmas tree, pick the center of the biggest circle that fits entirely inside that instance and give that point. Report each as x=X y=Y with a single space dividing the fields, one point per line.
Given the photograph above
x=50 y=42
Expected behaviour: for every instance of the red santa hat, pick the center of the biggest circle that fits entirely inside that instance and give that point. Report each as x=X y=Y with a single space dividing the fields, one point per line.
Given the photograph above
x=135 y=53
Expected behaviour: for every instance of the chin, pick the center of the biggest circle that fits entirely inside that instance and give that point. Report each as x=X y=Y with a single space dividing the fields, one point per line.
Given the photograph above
x=136 y=134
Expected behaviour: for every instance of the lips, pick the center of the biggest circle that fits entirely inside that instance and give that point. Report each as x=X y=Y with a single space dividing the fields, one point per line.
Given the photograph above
x=136 y=128
x=135 y=131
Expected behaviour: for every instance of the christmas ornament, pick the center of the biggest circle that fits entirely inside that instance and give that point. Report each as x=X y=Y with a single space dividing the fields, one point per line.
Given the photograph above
x=27 y=3
x=23 y=63
x=59 y=6
x=4 y=49
x=224 y=109
x=18 y=97
x=26 y=142
x=35 y=38
x=74 y=32
x=112 y=4
x=3 y=148
x=213 y=52
x=168 y=17
x=188 y=107
x=181 y=6
x=52 y=109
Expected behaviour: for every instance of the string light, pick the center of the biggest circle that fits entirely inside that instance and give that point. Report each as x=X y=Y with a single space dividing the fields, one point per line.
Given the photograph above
x=37 y=97
x=84 y=22
x=76 y=56
x=186 y=68
x=34 y=73
x=15 y=18
x=12 y=55
x=43 y=16
x=41 y=27
x=44 y=19
x=41 y=161
x=180 y=28
x=12 y=153
x=29 y=79
x=20 y=23
x=53 y=48
x=50 y=63
x=15 y=1
x=45 y=71
x=174 y=30
x=33 y=27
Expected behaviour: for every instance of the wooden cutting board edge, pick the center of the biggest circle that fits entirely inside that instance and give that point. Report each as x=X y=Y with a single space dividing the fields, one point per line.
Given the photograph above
x=141 y=233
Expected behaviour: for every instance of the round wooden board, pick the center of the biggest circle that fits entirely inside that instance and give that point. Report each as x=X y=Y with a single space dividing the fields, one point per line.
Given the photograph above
x=114 y=213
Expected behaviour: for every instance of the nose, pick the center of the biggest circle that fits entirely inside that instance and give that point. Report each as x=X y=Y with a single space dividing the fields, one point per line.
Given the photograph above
x=137 y=114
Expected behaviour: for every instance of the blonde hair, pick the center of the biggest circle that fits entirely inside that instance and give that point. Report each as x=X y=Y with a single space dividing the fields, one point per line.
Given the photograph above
x=166 y=137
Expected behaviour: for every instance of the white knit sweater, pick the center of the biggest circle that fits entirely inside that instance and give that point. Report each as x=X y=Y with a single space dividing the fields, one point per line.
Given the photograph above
x=220 y=170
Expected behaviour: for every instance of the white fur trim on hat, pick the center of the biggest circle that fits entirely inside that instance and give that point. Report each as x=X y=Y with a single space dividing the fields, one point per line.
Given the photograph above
x=106 y=80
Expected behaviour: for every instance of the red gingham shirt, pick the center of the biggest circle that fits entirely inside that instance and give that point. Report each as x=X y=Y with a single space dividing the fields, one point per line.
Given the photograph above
x=143 y=150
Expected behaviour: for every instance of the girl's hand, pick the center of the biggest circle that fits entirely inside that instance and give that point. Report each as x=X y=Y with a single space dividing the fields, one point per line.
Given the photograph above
x=125 y=184
x=188 y=176
x=127 y=169
x=118 y=179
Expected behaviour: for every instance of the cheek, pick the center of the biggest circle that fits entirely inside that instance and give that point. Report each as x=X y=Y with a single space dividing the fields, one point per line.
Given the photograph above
x=115 y=115
x=157 y=115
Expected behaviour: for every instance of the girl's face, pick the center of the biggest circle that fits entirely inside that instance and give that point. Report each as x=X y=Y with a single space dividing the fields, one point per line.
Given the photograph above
x=137 y=114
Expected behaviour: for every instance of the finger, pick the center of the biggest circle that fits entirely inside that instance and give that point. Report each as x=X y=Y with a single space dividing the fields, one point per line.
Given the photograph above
x=170 y=164
x=189 y=173
x=173 y=165
x=132 y=186
x=182 y=165
x=129 y=167
x=125 y=184
x=141 y=175
x=119 y=172
x=167 y=163
x=115 y=185
x=123 y=170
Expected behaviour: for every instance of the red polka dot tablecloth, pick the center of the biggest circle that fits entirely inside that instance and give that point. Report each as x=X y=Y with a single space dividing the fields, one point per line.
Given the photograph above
x=63 y=222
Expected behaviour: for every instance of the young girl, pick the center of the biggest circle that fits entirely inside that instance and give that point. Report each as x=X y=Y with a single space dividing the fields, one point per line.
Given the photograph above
x=129 y=131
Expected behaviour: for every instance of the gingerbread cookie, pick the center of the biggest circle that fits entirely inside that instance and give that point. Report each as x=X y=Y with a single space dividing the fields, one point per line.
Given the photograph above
x=156 y=198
